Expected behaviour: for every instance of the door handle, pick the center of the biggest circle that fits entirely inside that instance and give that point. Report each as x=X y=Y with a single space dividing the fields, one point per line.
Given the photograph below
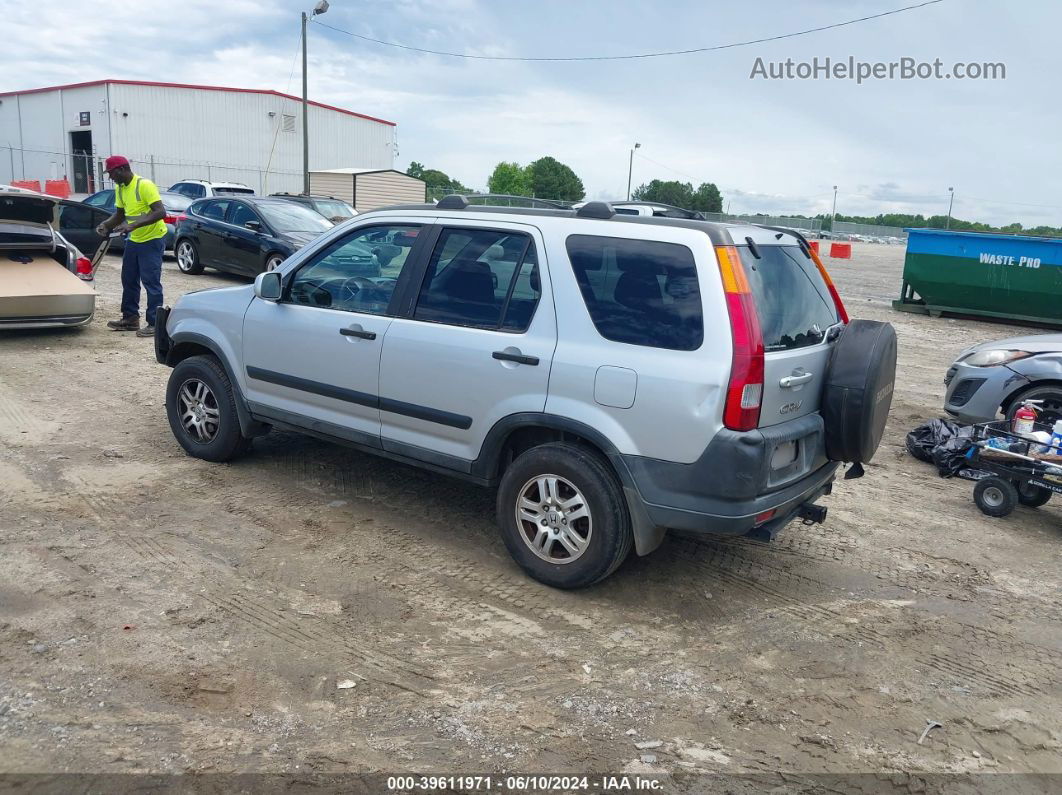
x=519 y=358
x=791 y=381
x=358 y=332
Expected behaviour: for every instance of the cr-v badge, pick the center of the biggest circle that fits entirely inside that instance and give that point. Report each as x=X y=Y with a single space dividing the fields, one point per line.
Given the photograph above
x=789 y=408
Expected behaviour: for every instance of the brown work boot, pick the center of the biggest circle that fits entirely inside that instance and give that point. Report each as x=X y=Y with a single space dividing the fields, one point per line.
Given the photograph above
x=127 y=323
x=147 y=331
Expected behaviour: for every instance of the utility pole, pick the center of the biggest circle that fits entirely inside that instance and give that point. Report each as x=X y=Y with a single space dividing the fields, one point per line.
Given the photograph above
x=951 y=203
x=833 y=215
x=630 y=171
x=320 y=8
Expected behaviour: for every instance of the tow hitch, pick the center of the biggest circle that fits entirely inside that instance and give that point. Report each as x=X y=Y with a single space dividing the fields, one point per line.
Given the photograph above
x=809 y=513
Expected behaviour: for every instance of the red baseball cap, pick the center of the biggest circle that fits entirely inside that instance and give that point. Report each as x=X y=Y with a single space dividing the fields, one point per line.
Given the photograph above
x=115 y=161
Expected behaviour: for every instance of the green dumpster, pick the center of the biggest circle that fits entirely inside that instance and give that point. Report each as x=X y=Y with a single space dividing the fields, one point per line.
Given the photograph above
x=972 y=273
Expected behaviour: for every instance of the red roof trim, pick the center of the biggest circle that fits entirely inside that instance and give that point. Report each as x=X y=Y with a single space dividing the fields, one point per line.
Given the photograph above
x=198 y=88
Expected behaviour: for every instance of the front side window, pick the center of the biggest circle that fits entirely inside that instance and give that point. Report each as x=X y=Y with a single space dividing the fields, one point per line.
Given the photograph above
x=241 y=214
x=482 y=278
x=640 y=292
x=358 y=272
x=105 y=198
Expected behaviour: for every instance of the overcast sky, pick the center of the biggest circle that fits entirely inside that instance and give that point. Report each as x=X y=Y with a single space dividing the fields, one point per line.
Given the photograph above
x=776 y=145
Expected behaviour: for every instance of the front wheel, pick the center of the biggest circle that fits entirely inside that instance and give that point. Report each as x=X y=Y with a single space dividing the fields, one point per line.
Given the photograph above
x=563 y=517
x=273 y=262
x=201 y=408
x=995 y=496
x=188 y=258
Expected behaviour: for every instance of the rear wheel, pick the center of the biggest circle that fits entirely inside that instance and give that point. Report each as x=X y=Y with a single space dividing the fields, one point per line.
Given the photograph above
x=563 y=517
x=273 y=261
x=201 y=408
x=995 y=496
x=187 y=258
x=1033 y=496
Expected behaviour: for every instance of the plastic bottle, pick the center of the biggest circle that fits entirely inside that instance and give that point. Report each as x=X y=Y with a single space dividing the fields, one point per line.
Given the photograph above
x=1056 y=439
x=1024 y=419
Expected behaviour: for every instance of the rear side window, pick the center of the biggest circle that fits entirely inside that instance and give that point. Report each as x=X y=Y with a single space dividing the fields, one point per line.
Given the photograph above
x=792 y=301
x=483 y=278
x=215 y=210
x=639 y=291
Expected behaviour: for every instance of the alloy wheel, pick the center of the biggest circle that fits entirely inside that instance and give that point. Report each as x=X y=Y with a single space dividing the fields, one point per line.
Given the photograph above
x=185 y=256
x=554 y=519
x=199 y=411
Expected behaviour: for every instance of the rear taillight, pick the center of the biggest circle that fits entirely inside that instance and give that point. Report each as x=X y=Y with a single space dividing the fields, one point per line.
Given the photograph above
x=84 y=268
x=841 y=313
x=744 y=393
x=173 y=219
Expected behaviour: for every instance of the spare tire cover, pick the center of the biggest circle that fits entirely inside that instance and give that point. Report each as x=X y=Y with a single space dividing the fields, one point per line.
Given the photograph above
x=858 y=390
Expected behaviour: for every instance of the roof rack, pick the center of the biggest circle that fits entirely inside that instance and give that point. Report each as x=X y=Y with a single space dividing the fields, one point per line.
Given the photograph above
x=601 y=210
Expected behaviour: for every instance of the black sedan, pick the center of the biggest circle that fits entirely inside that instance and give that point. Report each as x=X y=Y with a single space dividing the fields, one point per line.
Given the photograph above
x=174 y=203
x=246 y=235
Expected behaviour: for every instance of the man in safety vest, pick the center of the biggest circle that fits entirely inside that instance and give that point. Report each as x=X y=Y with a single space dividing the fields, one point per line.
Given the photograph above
x=138 y=213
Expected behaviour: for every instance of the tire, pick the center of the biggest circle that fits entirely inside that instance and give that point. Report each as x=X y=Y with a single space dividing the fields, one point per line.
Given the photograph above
x=858 y=390
x=272 y=262
x=995 y=496
x=187 y=257
x=1050 y=411
x=217 y=441
x=582 y=479
x=1033 y=496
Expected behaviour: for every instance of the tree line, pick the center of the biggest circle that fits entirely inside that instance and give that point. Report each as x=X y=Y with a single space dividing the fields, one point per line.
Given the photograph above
x=904 y=220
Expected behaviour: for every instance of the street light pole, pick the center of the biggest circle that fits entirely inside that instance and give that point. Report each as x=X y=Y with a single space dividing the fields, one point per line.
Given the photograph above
x=833 y=215
x=630 y=171
x=320 y=8
x=951 y=203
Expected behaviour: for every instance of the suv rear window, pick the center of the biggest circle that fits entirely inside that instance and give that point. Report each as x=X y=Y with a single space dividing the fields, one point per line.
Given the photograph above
x=639 y=291
x=793 y=303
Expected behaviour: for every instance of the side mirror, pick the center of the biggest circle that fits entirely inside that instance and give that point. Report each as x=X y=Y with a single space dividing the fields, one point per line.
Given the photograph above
x=268 y=286
x=254 y=226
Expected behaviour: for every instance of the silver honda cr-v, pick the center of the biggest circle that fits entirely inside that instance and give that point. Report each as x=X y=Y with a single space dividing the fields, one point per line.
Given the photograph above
x=613 y=376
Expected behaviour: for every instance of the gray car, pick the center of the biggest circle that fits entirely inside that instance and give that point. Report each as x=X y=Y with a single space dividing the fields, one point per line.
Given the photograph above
x=613 y=376
x=995 y=377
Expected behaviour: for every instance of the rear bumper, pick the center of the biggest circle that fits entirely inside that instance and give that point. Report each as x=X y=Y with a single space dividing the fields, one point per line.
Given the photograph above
x=736 y=479
x=45 y=321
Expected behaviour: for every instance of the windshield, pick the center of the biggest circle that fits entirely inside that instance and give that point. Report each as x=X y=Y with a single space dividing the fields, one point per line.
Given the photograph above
x=793 y=303
x=333 y=208
x=290 y=217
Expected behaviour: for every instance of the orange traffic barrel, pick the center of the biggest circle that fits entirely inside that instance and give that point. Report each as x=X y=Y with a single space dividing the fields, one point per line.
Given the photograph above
x=841 y=250
x=59 y=188
x=27 y=184
x=814 y=246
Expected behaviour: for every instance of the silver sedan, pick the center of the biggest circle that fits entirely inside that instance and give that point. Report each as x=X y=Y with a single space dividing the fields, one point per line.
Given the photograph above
x=995 y=377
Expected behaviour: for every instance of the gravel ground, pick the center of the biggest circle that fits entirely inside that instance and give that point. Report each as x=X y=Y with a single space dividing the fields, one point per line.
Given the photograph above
x=162 y=614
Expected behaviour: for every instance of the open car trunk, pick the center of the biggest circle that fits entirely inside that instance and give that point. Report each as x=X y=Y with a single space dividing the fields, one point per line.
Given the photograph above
x=36 y=289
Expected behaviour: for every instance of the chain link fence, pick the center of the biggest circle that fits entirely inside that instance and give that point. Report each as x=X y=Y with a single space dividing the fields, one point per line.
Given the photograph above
x=868 y=230
x=84 y=170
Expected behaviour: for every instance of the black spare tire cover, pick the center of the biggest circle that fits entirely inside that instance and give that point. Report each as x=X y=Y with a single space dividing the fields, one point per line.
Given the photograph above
x=858 y=391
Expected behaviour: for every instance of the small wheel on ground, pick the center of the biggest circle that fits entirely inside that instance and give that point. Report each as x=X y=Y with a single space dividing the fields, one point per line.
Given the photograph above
x=201 y=408
x=187 y=258
x=1033 y=496
x=562 y=515
x=273 y=262
x=995 y=496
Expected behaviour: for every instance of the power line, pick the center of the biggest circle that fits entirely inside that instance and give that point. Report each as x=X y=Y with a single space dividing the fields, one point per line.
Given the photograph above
x=634 y=56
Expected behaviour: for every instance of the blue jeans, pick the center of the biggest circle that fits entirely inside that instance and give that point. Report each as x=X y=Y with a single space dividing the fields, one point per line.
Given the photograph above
x=142 y=263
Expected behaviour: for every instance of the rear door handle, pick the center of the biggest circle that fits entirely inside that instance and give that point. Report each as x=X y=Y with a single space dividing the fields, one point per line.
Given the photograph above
x=359 y=332
x=519 y=358
x=791 y=381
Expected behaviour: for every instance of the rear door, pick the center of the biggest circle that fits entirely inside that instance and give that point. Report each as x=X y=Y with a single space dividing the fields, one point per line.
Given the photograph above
x=209 y=226
x=77 y=224
x=477 y=347
x=798 y=320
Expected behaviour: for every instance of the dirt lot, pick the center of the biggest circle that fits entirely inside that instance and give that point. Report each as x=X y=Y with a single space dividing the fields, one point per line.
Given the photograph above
x=159 y=613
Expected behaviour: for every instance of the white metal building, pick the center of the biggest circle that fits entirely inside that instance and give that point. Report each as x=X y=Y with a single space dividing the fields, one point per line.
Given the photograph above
x=368 y=188
x=173 y=131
